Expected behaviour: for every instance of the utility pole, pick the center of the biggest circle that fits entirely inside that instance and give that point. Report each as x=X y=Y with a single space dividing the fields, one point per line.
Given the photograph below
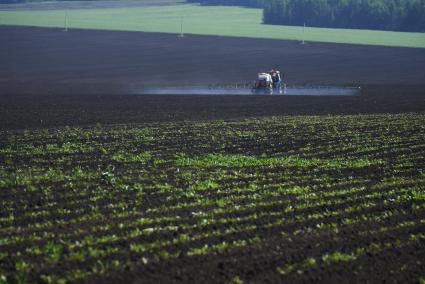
x=303 y=41
x=181 y=27
x=66 y=21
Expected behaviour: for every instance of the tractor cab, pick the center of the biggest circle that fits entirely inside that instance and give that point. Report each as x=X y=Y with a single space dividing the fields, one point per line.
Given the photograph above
x=263 y=84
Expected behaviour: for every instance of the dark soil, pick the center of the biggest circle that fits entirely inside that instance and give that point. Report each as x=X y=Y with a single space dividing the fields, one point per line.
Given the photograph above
x=47 y=76
x=42 y=60
x=29 y=111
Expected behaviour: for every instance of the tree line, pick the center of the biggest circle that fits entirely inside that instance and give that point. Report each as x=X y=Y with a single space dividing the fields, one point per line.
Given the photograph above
x=396 y=15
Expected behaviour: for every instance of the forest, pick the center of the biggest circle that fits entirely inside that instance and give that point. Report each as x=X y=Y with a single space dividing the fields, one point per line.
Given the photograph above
x=396 y=15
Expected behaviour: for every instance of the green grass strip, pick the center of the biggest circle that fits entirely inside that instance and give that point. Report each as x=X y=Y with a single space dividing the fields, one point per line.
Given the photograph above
x=202 y=20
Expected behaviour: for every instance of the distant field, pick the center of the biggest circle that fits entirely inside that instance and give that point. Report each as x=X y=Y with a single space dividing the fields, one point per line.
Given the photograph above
x=84 y=4
x=203 y=20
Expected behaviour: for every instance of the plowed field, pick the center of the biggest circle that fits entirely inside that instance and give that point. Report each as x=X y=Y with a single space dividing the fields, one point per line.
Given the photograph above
x=38 y=61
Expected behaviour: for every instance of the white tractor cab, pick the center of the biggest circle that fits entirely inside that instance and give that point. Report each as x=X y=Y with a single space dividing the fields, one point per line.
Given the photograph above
x=268 y=83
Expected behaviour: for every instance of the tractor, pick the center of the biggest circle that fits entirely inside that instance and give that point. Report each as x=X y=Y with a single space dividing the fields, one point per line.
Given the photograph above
x=269 y=83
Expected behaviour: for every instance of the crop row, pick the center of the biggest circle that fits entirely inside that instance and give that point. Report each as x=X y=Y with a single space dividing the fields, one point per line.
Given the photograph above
x=94 y=201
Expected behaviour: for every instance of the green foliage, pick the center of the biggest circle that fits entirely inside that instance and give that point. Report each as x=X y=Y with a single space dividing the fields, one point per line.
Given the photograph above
x=236 y=280
x=311 y=261
x=198 y=251
x=219 y=160
x=337 y=257
x=108 y=176
x=286 y=269
x=53 y=251
x=22 y=270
